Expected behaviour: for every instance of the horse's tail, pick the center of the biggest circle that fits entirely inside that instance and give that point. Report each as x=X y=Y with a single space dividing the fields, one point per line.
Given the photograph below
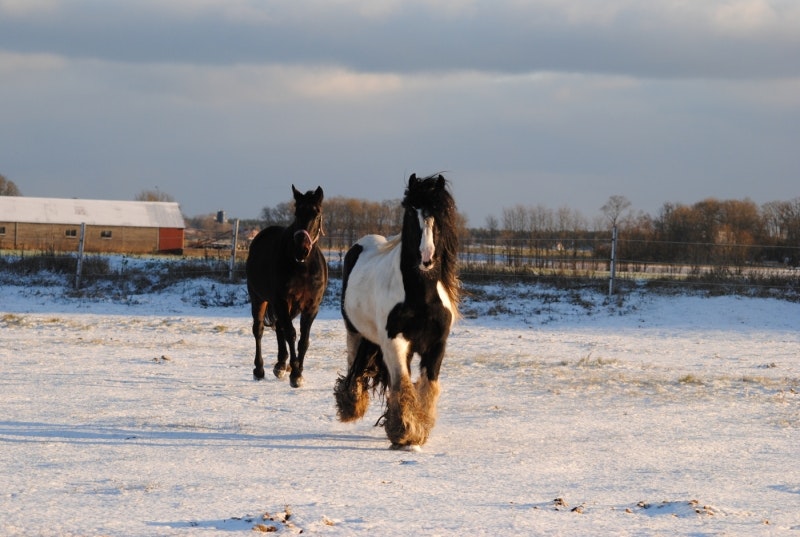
x=270 y=317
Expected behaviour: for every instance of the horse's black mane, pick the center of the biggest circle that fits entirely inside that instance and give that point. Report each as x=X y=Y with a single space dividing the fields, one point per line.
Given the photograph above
x=432 y=193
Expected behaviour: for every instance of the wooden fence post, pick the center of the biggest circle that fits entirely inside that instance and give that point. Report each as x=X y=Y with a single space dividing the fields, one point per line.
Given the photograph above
x=234 y=239
x=613 y=260
x=80 y=256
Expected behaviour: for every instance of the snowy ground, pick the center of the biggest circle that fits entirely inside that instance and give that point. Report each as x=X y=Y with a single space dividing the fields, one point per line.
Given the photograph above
x=655 y=416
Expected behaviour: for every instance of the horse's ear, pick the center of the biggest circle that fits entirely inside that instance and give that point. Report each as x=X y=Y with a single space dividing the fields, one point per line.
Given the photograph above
x=440 y=181
x=318 y=195
x=412 y=179
x=296 y=193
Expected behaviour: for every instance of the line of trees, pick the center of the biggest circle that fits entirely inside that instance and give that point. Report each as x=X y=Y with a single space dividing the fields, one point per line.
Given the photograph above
x=709 y=231
x=713 y=231
x=345 y=220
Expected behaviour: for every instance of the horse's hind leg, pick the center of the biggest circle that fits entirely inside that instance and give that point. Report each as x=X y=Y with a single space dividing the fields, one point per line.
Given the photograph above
x=352 y=391
x=258 y=309
x=284 y=333
x=352 y=397
x=281 y=367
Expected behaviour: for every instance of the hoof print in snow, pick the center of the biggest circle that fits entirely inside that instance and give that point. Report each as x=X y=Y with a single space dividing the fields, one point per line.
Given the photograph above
x=679 y=509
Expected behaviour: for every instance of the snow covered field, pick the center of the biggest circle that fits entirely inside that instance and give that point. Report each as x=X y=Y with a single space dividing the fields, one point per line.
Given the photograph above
x=658 y=416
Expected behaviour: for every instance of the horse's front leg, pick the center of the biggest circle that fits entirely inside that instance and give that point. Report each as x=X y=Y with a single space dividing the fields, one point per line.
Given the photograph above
x=296 y=377
x=427 y=386
x=402 y=420
x=258 y=309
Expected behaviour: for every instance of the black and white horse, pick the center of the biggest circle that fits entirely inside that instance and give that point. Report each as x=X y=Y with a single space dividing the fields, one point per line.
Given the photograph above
x=286 y=277
x=399 y=300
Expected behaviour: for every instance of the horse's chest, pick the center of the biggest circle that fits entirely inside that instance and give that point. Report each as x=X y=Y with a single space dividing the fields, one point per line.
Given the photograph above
x=420 y=321
x=304 y=291
x=300 y=298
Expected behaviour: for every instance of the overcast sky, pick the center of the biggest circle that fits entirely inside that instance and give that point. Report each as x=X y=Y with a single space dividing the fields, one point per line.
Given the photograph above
x=223 y=104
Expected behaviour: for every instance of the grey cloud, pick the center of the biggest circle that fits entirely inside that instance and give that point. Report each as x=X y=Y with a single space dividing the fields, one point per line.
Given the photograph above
x=498 y=37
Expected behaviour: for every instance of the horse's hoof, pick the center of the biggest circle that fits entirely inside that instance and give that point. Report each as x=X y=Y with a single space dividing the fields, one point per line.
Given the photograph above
x=280 y=370
x=258 y=374
x=416 y=448
x=297 y=382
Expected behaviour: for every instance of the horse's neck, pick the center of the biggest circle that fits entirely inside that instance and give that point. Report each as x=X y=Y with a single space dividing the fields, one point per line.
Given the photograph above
x=290 y=230
x=286 y=241
x=426 y=283
x=286 y=236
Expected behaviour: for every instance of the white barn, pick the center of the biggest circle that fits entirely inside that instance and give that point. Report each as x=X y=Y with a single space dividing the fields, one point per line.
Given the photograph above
x=53 y=224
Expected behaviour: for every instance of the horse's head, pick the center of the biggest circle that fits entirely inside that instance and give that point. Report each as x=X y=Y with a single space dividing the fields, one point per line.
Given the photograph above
x=307 y=224
x=427 y=204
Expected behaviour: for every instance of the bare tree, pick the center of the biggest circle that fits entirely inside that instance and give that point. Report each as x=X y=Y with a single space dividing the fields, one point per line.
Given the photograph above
x=280 y=215
x=153 y=195
x=8 y=188
x=492 y=225
x=540 y=220
x=514 y=219
x=614 y=208
x=781 y=220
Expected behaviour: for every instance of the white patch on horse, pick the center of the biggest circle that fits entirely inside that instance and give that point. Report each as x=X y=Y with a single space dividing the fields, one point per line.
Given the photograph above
x=445 y=298
x=395 y=350
x=375 y=287
x=426 y=246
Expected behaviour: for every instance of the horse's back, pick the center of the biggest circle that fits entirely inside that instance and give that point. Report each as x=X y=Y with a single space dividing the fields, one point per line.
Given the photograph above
x=372 y=285
x=378 y=243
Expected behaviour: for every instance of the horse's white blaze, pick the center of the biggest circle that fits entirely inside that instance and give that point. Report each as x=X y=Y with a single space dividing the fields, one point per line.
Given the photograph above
x=426 y=246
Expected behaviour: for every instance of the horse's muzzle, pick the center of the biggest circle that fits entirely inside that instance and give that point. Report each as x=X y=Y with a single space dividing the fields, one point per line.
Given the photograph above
x=302 y=245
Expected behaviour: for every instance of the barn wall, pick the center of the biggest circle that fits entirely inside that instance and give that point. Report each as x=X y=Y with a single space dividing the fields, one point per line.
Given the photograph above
x=7 y=231
x=170 y=239
x=65 y=238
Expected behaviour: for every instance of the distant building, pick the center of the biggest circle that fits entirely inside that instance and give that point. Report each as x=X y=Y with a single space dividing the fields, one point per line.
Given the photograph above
x=54 y=224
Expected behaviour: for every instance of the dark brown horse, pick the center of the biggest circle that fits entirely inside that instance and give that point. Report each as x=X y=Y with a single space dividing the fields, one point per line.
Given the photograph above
x=286 y=277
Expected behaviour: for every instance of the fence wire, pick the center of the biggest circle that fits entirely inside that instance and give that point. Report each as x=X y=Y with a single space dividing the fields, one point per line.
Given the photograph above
x=561 y=261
